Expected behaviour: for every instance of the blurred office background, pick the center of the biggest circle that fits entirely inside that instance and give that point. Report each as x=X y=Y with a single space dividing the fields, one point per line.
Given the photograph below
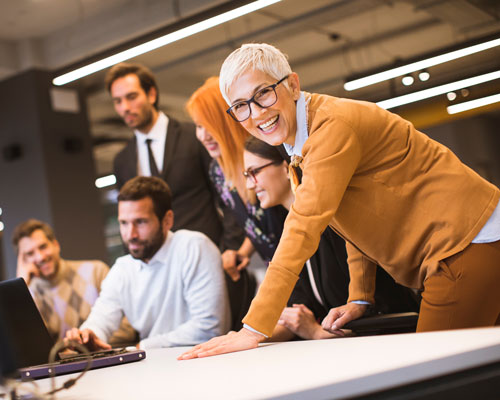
x=55 y=141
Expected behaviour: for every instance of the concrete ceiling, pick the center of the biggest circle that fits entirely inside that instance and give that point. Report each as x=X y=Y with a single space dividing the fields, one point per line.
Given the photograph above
x=326 y=41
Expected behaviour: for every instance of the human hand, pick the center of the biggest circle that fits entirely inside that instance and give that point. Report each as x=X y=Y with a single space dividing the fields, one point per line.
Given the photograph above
x=339 y=316
x=233 y=262
x=244 y=339
x=26 y=270
x=86 y=337
x=301 y=321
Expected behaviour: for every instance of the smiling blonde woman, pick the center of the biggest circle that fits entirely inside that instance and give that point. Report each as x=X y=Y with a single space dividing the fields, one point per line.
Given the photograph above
x=398 y=198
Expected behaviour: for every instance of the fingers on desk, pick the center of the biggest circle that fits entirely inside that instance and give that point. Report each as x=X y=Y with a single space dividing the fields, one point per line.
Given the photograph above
x=201 y=350
x=233 y=341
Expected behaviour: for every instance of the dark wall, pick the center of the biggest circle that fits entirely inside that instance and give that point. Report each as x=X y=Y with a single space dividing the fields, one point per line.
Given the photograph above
x=46 y=169
x=2 y=267
x=476 y=141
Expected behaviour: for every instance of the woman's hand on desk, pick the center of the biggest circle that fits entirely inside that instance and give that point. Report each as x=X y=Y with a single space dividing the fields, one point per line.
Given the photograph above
x=244 y=339
x=301 y=321
x=339 y=316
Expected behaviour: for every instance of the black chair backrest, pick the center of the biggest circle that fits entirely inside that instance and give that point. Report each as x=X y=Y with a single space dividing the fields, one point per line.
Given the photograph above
x=384 y=324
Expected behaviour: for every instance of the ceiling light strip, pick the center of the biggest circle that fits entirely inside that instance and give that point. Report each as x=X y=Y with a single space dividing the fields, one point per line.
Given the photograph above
x=416 y=66
x=161 y=41
x=438 y=90
x=105 y=181
x=469 y=105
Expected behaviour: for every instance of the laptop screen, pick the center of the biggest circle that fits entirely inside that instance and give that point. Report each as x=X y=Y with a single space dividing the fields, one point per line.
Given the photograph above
x=7 y=362
x=26 y=334
x=27 y=339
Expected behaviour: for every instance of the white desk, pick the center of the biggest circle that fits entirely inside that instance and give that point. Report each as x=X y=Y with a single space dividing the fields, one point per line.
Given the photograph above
x=295 y=370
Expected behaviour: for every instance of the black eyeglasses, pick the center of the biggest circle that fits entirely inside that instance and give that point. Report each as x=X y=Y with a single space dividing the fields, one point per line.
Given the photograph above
x=252 y=172
x=264 y=98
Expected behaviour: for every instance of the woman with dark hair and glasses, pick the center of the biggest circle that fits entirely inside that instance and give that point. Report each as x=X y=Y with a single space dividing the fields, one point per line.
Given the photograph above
x=224 y=139
x=324 y=280
x=398 y=198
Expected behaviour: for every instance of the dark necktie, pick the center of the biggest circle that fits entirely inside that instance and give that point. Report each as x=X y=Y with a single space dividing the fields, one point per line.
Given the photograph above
x=152 y=163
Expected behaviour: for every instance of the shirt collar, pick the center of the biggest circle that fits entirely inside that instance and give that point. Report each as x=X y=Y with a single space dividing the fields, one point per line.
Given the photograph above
x=157 y=132
x=160 y=256
x=302 y=134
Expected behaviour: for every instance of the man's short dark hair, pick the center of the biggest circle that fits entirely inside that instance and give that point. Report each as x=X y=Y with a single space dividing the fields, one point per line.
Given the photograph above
x=155 y=188
x=146 y=77
x=27 y=228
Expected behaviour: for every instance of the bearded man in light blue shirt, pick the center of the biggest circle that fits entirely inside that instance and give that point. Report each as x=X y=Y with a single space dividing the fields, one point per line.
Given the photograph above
x=170 y=286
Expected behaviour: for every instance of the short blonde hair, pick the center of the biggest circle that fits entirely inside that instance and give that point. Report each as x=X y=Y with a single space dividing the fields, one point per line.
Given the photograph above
x=252 y=56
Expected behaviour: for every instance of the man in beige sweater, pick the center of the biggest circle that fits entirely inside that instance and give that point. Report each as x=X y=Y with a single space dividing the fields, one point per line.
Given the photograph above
x=63 y=290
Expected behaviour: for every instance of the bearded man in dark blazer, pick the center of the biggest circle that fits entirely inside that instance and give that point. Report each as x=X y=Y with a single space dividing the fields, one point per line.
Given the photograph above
x=163 y=147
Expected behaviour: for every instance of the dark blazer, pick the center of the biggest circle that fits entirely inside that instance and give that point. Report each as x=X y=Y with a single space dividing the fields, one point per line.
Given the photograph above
x=185 y=169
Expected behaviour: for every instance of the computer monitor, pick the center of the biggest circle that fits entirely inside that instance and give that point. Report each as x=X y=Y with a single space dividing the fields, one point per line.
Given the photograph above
x=26 y=337
x=8 y=365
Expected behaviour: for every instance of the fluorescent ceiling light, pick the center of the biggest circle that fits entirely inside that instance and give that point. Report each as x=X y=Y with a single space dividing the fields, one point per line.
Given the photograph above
x=161 y=41
x=451 y=96
x=416 y=66
x=424 y=75
x=105 y=181
x=407 y=80
x=438 y=90
x=469 y=105
x=2 y=226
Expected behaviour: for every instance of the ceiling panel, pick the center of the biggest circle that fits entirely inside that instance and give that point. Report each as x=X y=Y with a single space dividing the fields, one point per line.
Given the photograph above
x=327 y=41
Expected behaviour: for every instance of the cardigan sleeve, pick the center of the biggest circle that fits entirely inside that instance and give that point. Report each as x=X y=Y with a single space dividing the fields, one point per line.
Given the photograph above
x=362 y=272
x=331 y=155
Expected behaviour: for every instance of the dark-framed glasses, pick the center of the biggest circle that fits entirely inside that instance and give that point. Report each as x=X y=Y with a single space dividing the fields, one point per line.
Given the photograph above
x=251 y=173
x=264 y=98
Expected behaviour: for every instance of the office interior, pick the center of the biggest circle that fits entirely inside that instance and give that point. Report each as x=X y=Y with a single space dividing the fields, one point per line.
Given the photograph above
x=57 y=140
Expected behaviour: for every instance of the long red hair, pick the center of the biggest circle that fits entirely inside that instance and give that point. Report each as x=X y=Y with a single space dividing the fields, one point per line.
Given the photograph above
x=207 y=108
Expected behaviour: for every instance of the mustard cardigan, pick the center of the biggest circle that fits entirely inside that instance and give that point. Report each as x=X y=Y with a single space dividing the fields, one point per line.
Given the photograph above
x=399 y=198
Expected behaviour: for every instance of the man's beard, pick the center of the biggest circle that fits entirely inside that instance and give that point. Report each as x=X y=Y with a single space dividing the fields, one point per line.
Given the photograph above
x=149 y=247
x=52 y=274
x=144 y=121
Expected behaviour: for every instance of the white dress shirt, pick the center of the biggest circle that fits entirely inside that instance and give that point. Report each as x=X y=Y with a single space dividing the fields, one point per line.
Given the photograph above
x=179 y=298
x=158 y=135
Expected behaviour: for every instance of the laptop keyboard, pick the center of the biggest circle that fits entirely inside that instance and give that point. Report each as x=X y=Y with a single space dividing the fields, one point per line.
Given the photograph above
x=67 y=358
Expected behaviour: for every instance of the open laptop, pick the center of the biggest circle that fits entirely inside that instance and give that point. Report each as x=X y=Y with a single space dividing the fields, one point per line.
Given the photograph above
x=7 y=363
x=29 y=341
